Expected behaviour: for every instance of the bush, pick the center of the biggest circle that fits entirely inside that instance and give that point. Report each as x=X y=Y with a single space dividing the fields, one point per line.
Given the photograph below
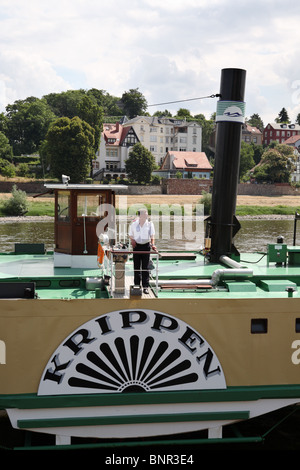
x=206 y=201
x=23 y=169
x=155 y=180
x=7 y=168
x=17 y=204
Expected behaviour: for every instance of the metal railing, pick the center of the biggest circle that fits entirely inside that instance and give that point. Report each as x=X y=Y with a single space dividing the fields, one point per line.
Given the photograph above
x=120 y=252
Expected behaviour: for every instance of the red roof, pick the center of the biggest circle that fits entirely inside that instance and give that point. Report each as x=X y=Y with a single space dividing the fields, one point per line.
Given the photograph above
x=116 y=132
x=292 y=139
x=190 y=160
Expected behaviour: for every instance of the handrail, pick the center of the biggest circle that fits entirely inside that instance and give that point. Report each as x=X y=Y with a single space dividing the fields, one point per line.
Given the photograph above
x=127 y=252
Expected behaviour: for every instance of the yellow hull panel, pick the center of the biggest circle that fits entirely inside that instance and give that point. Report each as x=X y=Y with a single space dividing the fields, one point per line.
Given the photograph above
x=32 y=330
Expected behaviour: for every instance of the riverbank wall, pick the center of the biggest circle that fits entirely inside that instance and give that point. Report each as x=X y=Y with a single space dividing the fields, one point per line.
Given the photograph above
x=173 y=186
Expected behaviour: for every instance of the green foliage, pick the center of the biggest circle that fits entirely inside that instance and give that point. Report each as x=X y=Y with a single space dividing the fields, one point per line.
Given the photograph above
x=247 y=158
x=265 y=210
x=283 y=116
x=206 y=201
x=155 y=180
x=256 y=121
x=69 y=148
x=134 y=103
x=91 y=113
x=5 y=148
x=7 y=168
x=140 y=164
x=207 y=129
x=107 y=102
x=276 y=164
x=23 y=169
x=27 y=124
x=17 y=204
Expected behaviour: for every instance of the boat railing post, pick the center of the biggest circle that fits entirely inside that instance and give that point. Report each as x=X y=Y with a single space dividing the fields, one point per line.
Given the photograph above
x=156 y=280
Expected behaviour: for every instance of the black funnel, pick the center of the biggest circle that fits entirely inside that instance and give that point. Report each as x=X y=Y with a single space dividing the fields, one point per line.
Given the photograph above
x=222 y=223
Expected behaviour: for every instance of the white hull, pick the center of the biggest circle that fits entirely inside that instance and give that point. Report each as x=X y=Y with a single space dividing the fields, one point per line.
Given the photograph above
x=135 y=418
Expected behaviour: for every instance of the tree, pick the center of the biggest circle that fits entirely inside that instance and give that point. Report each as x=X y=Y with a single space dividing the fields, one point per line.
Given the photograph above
x=276 y=164
x=207 y=130
x=256 y=121
x=184 y=113
x=5 y=148
x=69 y=148
x=298 y=119
x=27 y=124
x=258 y=150
x=283 y=117
x=134 y=103
x=164 y=113
x=247 y=158
x=140 y=164
x=107 y=102
x=91 y=113
x=65 y=104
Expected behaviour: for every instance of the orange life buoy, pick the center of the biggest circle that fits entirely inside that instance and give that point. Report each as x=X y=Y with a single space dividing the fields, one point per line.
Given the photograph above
x=100 y=254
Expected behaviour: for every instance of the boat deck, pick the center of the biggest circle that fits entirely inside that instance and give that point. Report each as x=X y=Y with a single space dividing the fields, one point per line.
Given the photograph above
x=177 y=277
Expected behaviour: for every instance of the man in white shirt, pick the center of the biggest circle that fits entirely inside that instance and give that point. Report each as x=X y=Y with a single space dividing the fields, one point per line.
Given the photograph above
x=141 y=233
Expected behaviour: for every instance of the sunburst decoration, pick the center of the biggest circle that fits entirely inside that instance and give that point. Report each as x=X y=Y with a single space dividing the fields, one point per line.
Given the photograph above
x=133 y=366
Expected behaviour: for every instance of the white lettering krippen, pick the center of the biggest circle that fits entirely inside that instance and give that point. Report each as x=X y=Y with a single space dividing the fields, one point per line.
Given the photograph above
x=191 y=340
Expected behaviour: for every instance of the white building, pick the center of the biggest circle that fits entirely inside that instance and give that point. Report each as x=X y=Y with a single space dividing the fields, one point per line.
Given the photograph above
x=160 y=135
x=115 y=144
x=294 y=141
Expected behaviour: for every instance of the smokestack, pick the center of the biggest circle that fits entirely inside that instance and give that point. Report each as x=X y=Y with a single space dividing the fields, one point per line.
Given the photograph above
x=230 y=116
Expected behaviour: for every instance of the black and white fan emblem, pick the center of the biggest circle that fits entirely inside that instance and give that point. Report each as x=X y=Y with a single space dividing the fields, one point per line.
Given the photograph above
x=109 y=355
x=139 y=365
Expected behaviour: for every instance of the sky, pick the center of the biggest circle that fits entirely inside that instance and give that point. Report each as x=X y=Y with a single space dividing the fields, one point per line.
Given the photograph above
x=171 y=50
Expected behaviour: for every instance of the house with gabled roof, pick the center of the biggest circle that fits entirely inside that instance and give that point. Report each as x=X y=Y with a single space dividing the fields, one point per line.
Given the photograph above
x=162 y=134
x=190 y=164
x=251 y=134
x=279 y=132
x=294 y=141
x=115 y=144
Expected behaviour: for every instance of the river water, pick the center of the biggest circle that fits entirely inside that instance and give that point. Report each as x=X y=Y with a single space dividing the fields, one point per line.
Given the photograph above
x=254 y=235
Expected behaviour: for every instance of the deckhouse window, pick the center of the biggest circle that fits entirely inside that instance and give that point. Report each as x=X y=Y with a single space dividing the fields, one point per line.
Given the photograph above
x=63 y=206
x=89 y=205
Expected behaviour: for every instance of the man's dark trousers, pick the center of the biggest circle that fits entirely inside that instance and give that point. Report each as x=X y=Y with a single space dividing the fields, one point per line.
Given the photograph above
x=141 y=260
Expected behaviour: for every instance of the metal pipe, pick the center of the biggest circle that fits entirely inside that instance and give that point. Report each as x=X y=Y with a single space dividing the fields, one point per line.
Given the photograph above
x=235 y=270
x=230 y=262
x=229 y=119
x=229 y=274
x=178 y=282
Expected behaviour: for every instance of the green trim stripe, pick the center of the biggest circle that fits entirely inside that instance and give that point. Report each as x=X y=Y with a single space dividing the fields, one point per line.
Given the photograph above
x=130 y=419
x=32 y=401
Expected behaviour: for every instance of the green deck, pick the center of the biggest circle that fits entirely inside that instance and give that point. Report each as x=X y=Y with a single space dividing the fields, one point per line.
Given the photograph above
x=268 y=279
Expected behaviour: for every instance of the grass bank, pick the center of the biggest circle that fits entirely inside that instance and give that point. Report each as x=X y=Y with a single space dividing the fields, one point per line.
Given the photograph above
x=46 y=208
x=266 y=210
x=36 y=209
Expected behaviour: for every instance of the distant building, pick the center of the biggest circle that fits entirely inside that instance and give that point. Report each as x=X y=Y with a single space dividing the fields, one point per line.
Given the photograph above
x=190 y=164
x=294 y=142
x=251 y=135
x=279 y=132
x=160 y=135
x=115 y=145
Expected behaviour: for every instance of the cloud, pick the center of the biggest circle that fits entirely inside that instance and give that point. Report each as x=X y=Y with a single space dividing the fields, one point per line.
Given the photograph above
x=24 y=76
x=171 y=50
